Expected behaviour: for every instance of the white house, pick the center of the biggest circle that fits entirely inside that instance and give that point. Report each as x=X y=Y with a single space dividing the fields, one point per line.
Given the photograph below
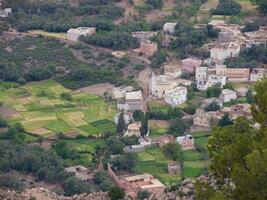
x=201 y=74
x=186 y=142
x=227 y=95
x=214 y=79
x=176 y=96
x=73 y=34
x=169 y=28
x=5 y=12
x=127 y=117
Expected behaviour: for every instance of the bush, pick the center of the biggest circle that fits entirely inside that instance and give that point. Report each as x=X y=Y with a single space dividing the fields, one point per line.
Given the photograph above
x=116 y=193
x=11 y=181
x=73 y=186
x=227 y=7
x=250 y=27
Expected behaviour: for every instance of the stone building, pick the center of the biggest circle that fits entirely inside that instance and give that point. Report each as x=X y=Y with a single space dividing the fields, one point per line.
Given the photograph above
x=133 y=130
x=225 y=36
x=257 y=74
x=169 y=28
x=220 y=53
x=73 y=34
x=174 y=168
x=190 y=64
x=176 y=96
x=147 y=48
x=81 y=173
x=134 y=100
x=186 y=142
x=202 y=118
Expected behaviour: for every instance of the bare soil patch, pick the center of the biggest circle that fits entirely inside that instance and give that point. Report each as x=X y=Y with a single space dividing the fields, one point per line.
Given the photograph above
x=97 y=89
x=159 y=123
x=7 y=112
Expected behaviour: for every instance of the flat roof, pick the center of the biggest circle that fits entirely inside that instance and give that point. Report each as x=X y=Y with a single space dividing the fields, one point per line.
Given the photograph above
x=134 y=95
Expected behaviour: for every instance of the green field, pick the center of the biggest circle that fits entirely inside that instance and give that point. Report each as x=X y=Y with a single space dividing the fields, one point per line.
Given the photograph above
x=153 y=161
x=41 y=110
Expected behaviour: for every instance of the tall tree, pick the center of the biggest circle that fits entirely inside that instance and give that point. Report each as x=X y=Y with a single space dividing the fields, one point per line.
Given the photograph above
x=144 y=126
x=121 y=126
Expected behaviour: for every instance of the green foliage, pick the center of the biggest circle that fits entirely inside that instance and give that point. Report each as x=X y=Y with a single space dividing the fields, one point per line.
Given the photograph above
x=12 y=182
x=144 y=126
x=124 y=162
x=113 y=40
x=132 y=140
x=116 y=193
x=114 y=145
x=138 y=115
x=173 y=151
x=238 y=152
x=102 y=179
x=72 y=186
x=178 y=127
x=225 y=121
x=250 y=97
x=143 y=194
x=227 y=7
x=121 y=126
x=262 y=5
x=158 y=59
x=155 y=3
x=66 y=96
x=214 y=91
x=213 y=106
x=61 y=149
x=250 y=58
x=250 y=27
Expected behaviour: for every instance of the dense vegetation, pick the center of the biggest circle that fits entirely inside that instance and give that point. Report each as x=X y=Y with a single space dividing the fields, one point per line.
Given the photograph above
x=52 y=59
x=238 y=153
x=249 y=58
x=59 y=17
x=227 y=7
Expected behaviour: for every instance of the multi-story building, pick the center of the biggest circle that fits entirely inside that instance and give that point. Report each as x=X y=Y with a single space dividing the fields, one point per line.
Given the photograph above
x=201 y=74
x=190 y=64
x=176 y=96
x=220 y=53
x=73 y=34
x=134 y=100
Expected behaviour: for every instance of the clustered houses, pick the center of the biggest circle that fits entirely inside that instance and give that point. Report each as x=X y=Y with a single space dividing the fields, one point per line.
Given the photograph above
x=167 y=88
x=205 y=119
x=134 y=183
x=73 y=34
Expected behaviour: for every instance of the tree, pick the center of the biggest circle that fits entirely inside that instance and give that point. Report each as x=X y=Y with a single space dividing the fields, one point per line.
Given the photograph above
x=66 y=96
x=121 y=126
x=227 y=7
x=116 y=193
x=74 y=186
x=177 y=127
x=250 y=97
x=114 y=145
x=238 y=153
x=214 y=91
x=225 y=120
x=62 y=149
x=144 y=126
x=138 y=115
x=173 y=151
x=143 y=194
x=250 y=27
x=155 y=3
x=213 y=106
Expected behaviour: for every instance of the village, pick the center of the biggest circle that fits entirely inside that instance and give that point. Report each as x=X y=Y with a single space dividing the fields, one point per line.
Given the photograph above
x=199 y=93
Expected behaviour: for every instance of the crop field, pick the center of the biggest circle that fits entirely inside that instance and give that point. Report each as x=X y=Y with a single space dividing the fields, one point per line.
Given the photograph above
x=42 y=111
x=153 y=161
x=49 y=34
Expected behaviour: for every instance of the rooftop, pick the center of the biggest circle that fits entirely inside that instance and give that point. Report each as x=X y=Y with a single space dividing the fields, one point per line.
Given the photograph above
x=134 y=95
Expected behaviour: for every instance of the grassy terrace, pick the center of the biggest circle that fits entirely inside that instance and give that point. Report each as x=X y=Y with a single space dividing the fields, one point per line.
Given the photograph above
x=48 y=114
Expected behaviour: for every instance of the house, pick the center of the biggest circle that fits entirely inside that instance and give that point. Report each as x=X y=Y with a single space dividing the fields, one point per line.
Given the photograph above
x=169 y=28
x=205 y=119
x=211 y=81
x=186 y=142
x=143 y=35
x=201 y=74
x=81 y=173
x=220 y=53
x=227 y=95
x=73 y=34
x=6 y=12
x=120 y=92
x=131 y=184
x=176 y=96
x=238 y=110
x=174 y=167
x=127 y=117
x=134 y=100
x=158 y=85
x=258 y=37
x=133 y=130
x=238 y=74
x=147 y=48
x=257 y=74
x=189 y=65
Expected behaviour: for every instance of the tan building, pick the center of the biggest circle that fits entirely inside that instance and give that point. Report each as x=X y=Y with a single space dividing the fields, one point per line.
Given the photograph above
x=257 y=74
x=202 y=118
x=163 y=140
x=133 y=130
x=227 y=95
x=134 y=100
x=233 y=74
x=81 y=173
x=147 y=48
x=187 y=142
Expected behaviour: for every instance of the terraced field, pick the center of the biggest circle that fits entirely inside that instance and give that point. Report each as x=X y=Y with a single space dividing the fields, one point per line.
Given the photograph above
x=42 y=111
